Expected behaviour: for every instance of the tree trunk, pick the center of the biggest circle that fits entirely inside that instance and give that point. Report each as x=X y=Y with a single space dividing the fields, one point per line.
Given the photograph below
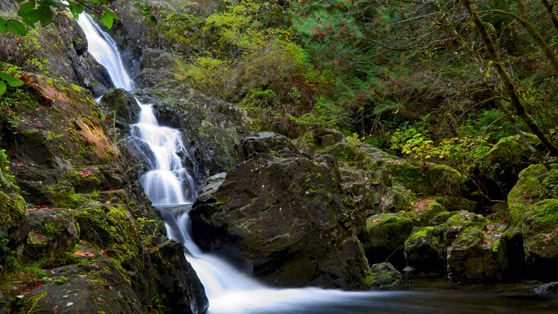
x=506 y=79
x=524 y=19
x=553 y=16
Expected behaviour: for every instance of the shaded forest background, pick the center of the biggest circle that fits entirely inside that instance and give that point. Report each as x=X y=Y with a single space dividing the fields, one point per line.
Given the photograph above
x=413 y=77
x=418 y=78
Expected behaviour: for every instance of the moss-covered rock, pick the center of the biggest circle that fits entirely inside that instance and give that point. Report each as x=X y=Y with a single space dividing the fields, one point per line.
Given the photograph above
x=14 y=225
x=373 y=180
x=540 y=232
x=478 y=253
x=445 y=180
x=424 y=249
x=280 y=213
x=383 y=276
x=12 y=212
x=52 y=239
x=120 y=105
x=460 y=222
x=383 y=238
x=502 y=164
x=84 y=288
x=423 y=211
x=535 y=183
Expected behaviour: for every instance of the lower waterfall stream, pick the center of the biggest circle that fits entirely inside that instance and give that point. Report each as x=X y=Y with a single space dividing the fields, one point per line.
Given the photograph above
x=171 y=189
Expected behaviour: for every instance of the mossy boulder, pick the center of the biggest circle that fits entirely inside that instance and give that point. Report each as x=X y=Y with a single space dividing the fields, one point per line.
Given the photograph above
x=383 y=238
x=12 y=212
x=535 y=184
x=478 y=253
x=52 y=238
x=280 y=214
x=384 y=276
x=462 y=221
x=424 y=249
x=373 y=181
x=120 y=105
x=85 y=288
x=445 y=180
x=14 y=224
x=109 y=227
x=503 y=163
x=540 y=232
x=424 y=210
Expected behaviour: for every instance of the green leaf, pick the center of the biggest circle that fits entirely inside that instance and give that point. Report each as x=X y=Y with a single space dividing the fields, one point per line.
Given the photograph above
x=75 y=8
x=26 y=8
x=108 y=18
x=12 y=81
x=2 y=88
x=45 y=14
x=16 y=27
x=3 y=26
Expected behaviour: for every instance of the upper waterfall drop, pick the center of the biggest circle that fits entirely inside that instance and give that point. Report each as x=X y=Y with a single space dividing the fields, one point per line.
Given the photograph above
x=103 y=48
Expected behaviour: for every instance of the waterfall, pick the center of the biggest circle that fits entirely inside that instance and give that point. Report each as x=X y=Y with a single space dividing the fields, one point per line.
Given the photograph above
x=172 y=190
x=102 y=47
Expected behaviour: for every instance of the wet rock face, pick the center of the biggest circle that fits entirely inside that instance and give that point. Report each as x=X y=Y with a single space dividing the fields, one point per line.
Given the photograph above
x=549 y=290
x=120 y=105
x=177 y=281
x=279 y=212
x=212 y=129
x=424 y=249
x=87 y=219
x=384 y=276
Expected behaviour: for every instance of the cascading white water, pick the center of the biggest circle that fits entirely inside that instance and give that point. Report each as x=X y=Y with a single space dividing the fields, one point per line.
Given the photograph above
x=104 y=50
x=172 y=191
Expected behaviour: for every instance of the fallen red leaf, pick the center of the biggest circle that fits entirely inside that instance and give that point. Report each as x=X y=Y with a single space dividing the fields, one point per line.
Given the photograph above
x=82 y=253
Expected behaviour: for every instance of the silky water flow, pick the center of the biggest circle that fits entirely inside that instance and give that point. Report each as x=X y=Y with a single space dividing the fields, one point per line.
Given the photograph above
x=171 y=189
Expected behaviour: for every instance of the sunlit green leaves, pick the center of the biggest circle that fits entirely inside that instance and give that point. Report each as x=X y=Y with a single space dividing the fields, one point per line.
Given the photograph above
x=108 y=18
x=2 y=88
x=75 y=8
x=16 y=27
x=12 y=81
x=6 y=80
x=32 y=12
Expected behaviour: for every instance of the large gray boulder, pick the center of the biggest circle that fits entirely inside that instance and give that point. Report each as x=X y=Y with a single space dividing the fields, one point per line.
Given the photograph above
x=279 y=213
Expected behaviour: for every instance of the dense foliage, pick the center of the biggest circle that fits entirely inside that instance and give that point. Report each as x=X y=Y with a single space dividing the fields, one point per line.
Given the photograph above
x=372 y=67
x=435 y=80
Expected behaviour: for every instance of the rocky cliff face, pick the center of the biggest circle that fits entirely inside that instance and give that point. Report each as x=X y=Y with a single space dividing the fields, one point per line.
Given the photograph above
x=80 y=213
